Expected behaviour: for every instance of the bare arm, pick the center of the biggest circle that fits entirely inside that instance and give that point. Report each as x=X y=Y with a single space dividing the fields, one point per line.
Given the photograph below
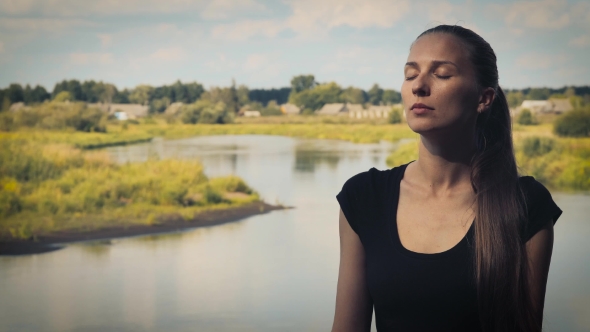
x=539 y=249
x=354 y=307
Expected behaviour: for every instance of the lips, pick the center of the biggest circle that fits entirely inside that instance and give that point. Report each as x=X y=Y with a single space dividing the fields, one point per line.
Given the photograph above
x=419 y=108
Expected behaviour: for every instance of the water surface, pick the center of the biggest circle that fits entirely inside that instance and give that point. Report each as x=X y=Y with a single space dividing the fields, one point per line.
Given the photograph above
x=272 y=272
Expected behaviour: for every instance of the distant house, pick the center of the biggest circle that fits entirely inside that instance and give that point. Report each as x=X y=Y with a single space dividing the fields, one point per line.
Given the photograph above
x=374 y=111
x=356 y=111
x=561 y=105
x=536 y=106
x=333 y=109
x=132 y=111
x=173 y=108
x=381 y=111
x=17 y=106
x=290 y=109
x=557 y=106
x=121 y=116
x=251 y=114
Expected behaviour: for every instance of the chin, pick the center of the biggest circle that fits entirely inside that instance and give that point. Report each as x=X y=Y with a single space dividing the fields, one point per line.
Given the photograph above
x=422 y=125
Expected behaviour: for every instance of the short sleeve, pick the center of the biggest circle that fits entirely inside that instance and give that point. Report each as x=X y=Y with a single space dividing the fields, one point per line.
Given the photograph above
x=539 y=204
x=351 y=199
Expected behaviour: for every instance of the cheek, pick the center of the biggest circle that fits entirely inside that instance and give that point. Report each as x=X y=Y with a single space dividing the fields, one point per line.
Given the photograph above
x=406 y=93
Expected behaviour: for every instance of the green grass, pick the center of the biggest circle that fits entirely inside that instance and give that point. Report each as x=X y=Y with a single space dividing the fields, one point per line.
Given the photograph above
x=48 y=187
x=559 y=163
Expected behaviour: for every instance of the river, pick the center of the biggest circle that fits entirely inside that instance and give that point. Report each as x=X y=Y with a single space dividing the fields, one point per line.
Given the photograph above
x=271 y=272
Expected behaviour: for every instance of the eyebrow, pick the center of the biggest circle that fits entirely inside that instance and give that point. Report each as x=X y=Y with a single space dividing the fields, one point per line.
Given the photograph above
x=435 y=63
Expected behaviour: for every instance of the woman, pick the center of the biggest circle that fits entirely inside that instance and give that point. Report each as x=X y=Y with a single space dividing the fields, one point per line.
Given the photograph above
x=455 y=241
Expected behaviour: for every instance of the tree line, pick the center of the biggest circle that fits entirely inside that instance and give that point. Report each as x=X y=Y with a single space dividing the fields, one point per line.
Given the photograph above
x=304 y=91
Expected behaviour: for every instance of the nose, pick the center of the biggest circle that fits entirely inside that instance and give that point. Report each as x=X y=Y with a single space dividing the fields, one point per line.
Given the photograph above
x=420 y=86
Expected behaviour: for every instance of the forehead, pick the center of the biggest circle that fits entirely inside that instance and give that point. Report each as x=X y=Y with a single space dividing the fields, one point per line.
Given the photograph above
x=439 y=47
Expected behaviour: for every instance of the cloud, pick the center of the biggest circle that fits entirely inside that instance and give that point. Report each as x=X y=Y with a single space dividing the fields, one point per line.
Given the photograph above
x=581 y=41
x=75 y=8
x=535 y=61
x=311 y=14
x=247 y=29
x=41 y=24
x=311 y=18
x=169 y=54
x=91 y=58
x=545 y=14
x=105 y=39
x=223 y=9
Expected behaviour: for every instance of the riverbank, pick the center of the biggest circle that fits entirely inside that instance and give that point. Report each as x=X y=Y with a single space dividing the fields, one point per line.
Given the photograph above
x=559 y=163
x=164 y=224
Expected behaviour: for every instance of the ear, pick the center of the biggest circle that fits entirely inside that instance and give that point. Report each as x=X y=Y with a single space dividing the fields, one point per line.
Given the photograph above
x=486 y=99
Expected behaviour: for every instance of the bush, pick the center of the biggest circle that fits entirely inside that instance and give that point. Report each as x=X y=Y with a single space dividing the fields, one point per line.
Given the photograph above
x=526 y=118
x=204 y=111
x=272 y=108
x=573 y=124
x=395 y=116
x=63 y=96
x=537 y=146
x=56 y=115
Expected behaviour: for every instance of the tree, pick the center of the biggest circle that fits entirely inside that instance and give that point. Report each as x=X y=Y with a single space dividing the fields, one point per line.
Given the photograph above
x=243 y=97
x=159 y=105
x=39 y=94
x=526 y=117
x=63 y=96
x=514 y=98
x=375 y=94
x=302 y=82
x=141 y=94
x=353 y=95
x=317 y=97
x=538 y=94
x=15 y=93
x=391 y=97
x=226 y=95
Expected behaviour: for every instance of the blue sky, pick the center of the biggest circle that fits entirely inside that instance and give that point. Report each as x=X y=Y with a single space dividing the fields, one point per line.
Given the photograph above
x=264 y=43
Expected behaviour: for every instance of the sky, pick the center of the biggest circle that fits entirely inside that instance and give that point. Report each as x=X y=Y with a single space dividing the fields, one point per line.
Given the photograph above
x=263 y=44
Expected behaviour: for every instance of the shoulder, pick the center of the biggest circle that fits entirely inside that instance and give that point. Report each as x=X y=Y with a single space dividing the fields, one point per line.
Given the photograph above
x=362 y=194
x=540 y=206
x=373 y=180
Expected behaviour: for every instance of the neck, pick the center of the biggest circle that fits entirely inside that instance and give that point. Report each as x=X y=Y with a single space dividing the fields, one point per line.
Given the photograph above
x=445 y=162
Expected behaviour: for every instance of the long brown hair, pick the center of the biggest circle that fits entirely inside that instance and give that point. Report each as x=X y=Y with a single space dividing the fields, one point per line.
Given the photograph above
x=501 y=269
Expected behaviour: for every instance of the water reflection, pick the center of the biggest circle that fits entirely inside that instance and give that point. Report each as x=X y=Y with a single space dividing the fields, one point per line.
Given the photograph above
x=272 y=272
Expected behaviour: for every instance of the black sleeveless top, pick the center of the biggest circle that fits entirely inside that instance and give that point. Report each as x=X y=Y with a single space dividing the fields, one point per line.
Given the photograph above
x=415 y=291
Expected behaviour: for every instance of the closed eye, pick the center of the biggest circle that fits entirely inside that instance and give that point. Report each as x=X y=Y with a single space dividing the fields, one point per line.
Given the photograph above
x=443 y=77
x=411 y=78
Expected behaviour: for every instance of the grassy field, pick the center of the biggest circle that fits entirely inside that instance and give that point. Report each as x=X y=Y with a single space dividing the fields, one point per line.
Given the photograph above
x=49 y=187
x=51 y=180
x=559 y=163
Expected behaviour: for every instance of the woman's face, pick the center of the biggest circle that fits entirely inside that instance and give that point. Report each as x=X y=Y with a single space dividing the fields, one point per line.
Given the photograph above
x=440 y=88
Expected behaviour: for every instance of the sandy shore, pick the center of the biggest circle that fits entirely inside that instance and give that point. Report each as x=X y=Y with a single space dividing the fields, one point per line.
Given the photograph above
x=55 y=241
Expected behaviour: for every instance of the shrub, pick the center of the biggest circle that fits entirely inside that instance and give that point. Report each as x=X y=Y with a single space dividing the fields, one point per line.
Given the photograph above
x=56 y=115
x=272 y=108
x=204 y=111
x=537 y=146
x=63 y=96
x=395 y=116
x=526 y=118
x=404 y=154
x=573 y=124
